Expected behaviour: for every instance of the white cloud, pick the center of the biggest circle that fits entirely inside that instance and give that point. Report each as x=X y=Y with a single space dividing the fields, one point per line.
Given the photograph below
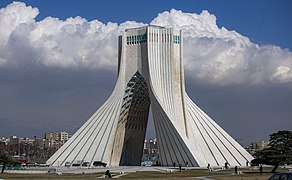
x=212 y=54
x=283 y=74
x=73 y=43
x=219 y=56
x=12 y=16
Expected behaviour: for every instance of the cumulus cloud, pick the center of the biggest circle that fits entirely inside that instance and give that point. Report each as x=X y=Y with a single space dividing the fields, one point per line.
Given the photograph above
x=212 y=54
x=73 y=43
x=218 y=55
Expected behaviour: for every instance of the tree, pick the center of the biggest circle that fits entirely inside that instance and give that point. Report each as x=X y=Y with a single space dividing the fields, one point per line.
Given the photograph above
x=5 y=159
x=279 y=150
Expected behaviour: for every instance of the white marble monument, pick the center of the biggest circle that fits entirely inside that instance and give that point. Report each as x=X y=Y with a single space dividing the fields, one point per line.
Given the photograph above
x=151 y=72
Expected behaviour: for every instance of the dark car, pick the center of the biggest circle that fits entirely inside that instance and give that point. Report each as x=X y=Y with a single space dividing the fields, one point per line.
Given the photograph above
x=281 y=176
x=76 y=164
x=86 y=164
x=99 y=163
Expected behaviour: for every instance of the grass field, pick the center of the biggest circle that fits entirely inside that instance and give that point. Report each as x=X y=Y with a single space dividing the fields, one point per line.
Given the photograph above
x=191 y=174
x=187 y=174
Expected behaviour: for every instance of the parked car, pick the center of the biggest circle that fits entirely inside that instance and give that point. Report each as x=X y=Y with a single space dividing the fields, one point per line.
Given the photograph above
x=32 y=164
x=281 y=176
x=86 y=164
x=146 y=163
x=99 y=163
x=67 y=164
x=43 y=165
x=76 y=164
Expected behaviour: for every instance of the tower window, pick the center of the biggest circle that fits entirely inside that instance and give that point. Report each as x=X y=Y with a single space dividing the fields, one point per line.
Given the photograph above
x=137 y=39
x=176 y=39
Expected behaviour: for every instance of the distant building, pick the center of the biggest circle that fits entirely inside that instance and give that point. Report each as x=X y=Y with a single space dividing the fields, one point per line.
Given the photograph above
x=150 y=151
x=24 y=148
x=4 y=140
x=55 y=139
x=3 y=145
x=26 y=141
x=63 y=137
x=51 y=136
x=260 y=145
x=257 y=146
x=13 y=140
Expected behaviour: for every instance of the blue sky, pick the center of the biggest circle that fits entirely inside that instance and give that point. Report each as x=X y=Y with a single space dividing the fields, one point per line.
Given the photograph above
x=263 y=21
x=55 y=73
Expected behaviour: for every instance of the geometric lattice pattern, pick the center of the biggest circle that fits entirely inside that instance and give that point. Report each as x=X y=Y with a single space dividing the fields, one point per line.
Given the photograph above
x=133 y=119
x=136 y=99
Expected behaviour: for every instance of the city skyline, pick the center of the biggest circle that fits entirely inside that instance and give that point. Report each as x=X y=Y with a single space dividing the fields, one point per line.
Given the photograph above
x=42 y=78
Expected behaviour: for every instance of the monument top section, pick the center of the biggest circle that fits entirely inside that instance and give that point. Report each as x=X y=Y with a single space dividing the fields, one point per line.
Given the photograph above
x=145 y=27
x=152 y=33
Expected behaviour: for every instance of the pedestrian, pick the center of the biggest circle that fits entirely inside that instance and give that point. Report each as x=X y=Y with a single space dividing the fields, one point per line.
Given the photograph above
x=235 y=170
x=247 y=163
x=208 y=166
x=108 y=174
x=187 y=164
x=179 y=167
x=226 y=165
x=261 y=169
x=174 y=164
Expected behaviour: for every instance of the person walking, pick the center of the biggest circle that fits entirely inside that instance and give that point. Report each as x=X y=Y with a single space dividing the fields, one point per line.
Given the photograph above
x=261 y=169
x=226 y=165
x=108 y=174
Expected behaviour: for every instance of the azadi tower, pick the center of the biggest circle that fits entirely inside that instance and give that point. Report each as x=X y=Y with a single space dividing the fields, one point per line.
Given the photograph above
x=151 y=72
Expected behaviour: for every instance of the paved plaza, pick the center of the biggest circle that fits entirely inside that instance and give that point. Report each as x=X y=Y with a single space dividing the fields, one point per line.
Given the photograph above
x=82 y=170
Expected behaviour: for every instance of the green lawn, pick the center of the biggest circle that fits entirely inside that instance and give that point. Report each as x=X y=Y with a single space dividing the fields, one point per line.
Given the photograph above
x=190 y=174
